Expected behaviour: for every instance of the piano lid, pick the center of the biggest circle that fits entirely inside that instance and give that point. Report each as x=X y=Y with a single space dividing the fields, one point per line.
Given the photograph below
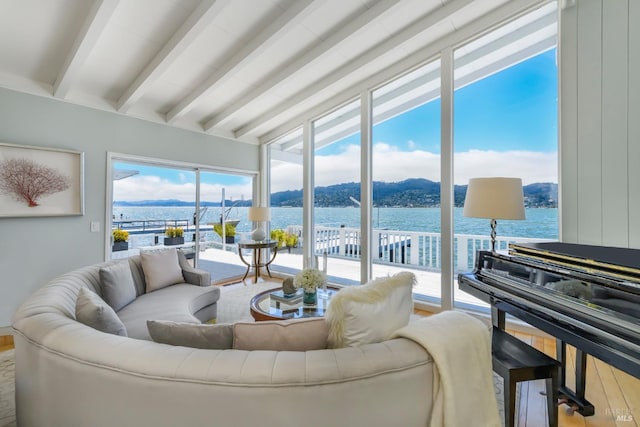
x=618 y=263
x=583 y=298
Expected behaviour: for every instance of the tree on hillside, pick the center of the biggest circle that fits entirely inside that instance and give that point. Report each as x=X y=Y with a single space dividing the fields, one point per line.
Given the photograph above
x=27 y=180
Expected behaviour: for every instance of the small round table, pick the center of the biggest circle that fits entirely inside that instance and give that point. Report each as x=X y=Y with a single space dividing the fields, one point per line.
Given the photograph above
x=256 y=263
x=273 y=305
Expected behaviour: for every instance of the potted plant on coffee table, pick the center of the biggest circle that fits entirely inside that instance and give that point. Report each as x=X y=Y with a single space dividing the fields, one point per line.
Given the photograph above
x=175 y=236
x=120 y=240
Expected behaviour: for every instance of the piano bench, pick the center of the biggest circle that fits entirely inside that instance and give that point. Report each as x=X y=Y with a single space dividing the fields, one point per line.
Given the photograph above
x=516 y=361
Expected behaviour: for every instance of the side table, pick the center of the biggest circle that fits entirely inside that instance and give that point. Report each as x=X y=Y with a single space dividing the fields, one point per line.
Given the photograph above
x=256 y=261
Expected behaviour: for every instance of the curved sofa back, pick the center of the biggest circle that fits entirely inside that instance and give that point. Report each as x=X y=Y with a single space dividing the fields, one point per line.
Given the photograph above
x=70 y=374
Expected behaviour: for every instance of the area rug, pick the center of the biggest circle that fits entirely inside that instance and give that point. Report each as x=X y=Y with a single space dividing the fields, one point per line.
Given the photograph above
x=233 y=306
x=7 y=387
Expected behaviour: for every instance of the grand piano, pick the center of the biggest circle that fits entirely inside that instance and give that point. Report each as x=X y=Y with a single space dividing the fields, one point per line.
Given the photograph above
x=584 y=296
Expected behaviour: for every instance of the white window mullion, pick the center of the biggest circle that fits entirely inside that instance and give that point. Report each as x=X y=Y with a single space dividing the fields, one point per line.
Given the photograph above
x=308 y=225
x=366 y=185
x=446 y=181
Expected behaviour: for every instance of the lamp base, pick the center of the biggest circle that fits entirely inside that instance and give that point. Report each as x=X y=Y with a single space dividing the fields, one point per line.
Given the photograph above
x=258 y=234
x=494 y=224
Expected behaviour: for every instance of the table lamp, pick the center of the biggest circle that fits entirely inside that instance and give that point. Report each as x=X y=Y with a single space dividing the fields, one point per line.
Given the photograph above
x=494 y=198
x=259 y=215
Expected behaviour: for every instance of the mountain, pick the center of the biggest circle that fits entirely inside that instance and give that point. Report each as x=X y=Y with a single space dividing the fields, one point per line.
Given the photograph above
x=414 y=192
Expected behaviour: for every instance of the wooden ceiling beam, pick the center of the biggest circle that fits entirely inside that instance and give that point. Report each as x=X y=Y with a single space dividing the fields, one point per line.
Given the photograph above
x=200 y=18
x=481 y=25
x=420 y=25
x=93 y=26
x=273 y=29
x=343 y=30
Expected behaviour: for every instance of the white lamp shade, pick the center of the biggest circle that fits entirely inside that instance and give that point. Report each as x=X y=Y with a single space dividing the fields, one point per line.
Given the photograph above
x=259 y=214
x=494 y=198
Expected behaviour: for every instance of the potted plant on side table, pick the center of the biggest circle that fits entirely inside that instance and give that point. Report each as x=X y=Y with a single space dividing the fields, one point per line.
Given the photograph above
x=175 y=236
x=120 y=240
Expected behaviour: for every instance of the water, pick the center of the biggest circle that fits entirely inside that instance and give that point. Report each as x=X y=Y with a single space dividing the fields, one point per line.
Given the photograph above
x=540 y=223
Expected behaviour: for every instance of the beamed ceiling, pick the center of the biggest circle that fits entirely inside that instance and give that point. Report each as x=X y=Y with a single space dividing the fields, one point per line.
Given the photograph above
x=244 y=69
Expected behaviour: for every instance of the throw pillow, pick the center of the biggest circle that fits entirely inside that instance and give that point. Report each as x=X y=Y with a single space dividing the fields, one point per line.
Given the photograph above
x=370 y=313
x=161 y=268
x=195 y=335
x=281 y=335
x=117 y=284
x=94 y=312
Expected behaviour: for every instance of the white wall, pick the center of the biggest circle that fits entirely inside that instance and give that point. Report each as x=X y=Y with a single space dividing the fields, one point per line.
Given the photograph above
x=34 y=250
x=600 y=122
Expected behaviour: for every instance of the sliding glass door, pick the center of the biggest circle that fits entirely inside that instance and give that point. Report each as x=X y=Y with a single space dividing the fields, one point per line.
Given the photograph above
x=198 y=211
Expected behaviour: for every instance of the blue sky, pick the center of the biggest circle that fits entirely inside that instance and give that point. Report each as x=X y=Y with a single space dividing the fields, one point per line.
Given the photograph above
x=505 y=124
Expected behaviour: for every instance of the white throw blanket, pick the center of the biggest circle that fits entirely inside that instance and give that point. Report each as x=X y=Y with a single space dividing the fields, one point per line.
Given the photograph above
x=463 y=392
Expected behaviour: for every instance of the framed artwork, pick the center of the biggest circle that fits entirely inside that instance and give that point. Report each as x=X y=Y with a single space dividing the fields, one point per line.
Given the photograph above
x=38 y=181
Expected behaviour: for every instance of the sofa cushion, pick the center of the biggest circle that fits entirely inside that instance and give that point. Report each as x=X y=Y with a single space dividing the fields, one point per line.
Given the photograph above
x=117 y=284
x=216 y=337
x=161 y=268
x=370 y=313
x=281 y=335
x=176 y=303
x=94 y=312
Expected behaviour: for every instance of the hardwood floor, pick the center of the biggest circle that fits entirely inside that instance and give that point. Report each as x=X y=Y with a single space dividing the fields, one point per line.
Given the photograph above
x=615 y=395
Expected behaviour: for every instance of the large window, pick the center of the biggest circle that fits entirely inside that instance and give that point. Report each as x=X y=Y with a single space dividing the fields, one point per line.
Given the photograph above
x=336 y=140
x=406 y=178
x=503 y=112
x=505 y=124
x=286 y=200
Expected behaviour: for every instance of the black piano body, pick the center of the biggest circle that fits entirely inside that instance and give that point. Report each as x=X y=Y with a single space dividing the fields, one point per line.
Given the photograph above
x=585 y=296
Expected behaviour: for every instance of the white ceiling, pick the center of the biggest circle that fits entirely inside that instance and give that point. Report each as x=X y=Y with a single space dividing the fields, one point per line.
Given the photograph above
x=246 y=69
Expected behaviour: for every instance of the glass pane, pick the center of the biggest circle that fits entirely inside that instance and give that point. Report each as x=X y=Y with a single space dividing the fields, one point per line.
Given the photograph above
x=224 y=202
x=406 y=179
x=505 y=125
x=286 y=201
x=154 y=205
x=337 y=193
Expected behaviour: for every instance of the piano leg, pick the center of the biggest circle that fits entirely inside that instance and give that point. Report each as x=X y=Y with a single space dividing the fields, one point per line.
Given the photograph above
x=497 y=317
x=576 y=400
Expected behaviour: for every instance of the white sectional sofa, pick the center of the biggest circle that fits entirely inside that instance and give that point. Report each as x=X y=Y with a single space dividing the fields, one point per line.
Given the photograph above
x=70 y=374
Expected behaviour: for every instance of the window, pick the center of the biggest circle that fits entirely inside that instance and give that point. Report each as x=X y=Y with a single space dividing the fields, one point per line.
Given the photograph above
x=285 y=156
x=406 y=178
x=505 y=124
x=336 y=141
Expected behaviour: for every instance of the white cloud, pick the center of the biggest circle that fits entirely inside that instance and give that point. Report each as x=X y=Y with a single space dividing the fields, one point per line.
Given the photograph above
x=390 y=164
x=149 y=187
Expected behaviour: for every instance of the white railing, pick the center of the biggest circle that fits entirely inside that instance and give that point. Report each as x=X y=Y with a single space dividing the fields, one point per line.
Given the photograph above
x=416 y=248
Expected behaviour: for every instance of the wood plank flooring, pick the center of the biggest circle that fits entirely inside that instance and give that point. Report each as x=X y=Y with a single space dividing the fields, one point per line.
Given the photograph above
x=615 y=394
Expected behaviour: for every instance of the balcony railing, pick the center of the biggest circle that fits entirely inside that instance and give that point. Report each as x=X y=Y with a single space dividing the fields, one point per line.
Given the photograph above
x=420 y=249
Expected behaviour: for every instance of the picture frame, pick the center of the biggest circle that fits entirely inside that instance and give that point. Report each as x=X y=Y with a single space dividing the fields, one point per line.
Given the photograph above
x=40 y=181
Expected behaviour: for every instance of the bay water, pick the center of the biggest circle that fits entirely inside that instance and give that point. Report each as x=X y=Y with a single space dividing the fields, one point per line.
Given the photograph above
x=539 y=222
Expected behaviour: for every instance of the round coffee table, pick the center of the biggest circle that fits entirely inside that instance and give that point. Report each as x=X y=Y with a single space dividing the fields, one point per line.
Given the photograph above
x=273 y=305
